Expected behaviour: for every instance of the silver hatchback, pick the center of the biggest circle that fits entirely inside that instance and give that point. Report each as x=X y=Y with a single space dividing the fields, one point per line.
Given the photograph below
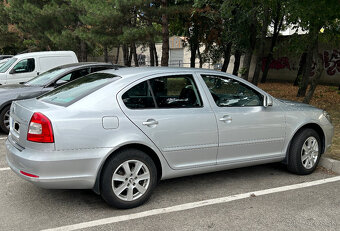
x=119 y=132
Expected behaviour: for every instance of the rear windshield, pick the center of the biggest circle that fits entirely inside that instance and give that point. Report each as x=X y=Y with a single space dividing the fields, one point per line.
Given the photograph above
x=78 y=89
x=7 y=65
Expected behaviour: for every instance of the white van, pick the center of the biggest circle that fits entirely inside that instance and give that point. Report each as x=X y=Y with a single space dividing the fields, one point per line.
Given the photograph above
x=23 y=67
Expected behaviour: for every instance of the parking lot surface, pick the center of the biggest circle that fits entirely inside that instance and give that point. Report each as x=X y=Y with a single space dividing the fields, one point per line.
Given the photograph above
x=23 y=206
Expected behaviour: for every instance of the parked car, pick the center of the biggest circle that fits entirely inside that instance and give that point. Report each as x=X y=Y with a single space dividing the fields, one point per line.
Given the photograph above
x=42 y=84
x=119 y=132
x=23 y=67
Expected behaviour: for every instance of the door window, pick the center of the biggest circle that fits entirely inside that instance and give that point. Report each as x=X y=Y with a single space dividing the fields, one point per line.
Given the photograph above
x=24 y=66
x=139 y=97
x=232 y=93
x=164 y=92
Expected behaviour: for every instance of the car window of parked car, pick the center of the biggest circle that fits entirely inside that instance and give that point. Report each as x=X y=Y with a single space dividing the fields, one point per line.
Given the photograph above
x=24 y=66
x=74 y=75
x=229 y=92
x=45 y=77
x=7 y=65
x=139 y=97
x=164 y=92
x=73 y=91
x=95 y=69
x=175 y=92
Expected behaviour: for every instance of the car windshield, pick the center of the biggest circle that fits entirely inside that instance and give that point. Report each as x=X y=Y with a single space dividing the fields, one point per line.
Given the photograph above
x=77 y=89
x=7 y=65
x=45 y=77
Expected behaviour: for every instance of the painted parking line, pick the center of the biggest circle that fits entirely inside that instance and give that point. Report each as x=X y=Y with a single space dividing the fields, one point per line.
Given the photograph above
x=3 y=138
x=5 y=169
x=191 y=205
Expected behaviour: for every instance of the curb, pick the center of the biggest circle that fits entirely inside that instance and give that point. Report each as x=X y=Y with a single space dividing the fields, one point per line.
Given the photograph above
x=330 y=164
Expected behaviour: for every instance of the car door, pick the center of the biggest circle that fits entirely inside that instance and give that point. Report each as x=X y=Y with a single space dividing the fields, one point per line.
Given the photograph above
x=173 y=113
x=248 y=131
x=23 y=71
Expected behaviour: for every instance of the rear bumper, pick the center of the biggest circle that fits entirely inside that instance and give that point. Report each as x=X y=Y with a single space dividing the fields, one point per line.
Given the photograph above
x=69 y=169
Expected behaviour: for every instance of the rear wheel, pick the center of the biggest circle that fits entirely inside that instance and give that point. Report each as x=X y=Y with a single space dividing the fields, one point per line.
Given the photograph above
x=4 y=119
x=128 y=179
x=305 y=152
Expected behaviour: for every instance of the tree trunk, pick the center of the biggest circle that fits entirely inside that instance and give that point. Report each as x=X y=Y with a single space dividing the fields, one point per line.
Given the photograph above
x=106 y=55
x=260 y=55
x=200 y=57
x=117 y=54
x=156 y=55
x=134 y=52
x=152 y=55
x=226 y=56
x=278 y=21
x=246 y=64
x=165 y=34
x=83 y=51
x=193 y=50
x=316 y=77
x=237 y=61
x=126 y=55
x=313 y=38
x=302 y=67
x=130 y=56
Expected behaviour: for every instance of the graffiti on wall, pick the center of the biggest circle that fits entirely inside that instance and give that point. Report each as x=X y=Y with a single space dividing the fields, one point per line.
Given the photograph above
x=331 y=63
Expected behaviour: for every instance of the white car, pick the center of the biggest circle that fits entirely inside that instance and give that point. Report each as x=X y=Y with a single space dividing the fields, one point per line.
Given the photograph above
x=23 y=67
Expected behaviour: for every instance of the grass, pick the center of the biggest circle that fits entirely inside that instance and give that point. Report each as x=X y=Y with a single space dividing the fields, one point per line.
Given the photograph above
x=325 y=97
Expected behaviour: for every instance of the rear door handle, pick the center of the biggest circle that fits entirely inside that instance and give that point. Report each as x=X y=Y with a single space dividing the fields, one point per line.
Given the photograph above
x=226 y=119
x=150 y=122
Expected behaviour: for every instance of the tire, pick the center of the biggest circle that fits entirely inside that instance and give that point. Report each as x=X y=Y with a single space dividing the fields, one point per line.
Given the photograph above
x=304 y=152
x=4 y=116
x=121 y=186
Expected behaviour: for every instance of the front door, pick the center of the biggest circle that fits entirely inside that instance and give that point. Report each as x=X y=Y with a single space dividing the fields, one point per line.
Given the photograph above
x=23 y=71
x=248 y=131
x=172 y=113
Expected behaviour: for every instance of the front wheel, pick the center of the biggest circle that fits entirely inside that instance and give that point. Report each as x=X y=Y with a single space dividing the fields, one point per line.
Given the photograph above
x=305 y=152
x=128 y=179
x=4 y=119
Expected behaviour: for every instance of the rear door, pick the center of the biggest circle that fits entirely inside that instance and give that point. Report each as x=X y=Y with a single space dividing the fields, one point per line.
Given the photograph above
x=173 y=113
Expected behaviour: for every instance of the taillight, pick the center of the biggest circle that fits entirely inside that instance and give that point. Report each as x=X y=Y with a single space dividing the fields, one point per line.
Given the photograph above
x=40 y=129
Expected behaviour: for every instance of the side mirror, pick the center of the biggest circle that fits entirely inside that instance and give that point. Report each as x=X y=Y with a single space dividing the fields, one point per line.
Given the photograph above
x=267 y=101
x=12 y=71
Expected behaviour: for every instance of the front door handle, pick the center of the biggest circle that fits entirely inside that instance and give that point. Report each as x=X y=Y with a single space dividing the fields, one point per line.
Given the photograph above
x=150 y=122
x=226 y=119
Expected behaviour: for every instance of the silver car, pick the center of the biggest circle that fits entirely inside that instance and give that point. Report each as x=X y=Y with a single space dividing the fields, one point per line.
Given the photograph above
x=119 y=132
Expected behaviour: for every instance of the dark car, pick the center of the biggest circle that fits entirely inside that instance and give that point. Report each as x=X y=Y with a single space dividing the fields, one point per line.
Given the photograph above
x=42 y=84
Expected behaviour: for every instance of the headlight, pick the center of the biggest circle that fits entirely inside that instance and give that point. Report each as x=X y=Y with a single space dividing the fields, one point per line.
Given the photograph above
x=327 y=116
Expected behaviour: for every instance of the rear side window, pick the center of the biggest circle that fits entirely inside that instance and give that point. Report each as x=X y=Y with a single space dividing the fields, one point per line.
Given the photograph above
x=76 y=90
x=139 y=97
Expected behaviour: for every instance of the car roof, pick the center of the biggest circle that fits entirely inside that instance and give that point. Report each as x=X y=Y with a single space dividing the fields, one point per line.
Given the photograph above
x=42 y=53
x=84 y=64
x=136 y=72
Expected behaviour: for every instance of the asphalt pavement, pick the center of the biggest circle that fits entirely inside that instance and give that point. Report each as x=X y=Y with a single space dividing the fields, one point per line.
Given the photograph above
x=23 y=206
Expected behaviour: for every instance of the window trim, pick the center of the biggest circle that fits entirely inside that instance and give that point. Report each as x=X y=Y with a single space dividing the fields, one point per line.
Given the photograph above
x=241 y=81
x=150 y=77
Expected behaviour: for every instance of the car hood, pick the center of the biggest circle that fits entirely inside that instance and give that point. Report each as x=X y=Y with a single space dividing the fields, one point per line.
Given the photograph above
x=296 y=104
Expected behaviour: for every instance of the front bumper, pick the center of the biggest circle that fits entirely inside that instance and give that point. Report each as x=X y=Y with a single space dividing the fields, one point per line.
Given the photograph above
x=68 y=169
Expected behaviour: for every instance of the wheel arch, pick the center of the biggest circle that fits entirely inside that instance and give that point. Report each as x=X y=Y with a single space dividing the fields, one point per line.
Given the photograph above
x=149 y=151
x=313 y=126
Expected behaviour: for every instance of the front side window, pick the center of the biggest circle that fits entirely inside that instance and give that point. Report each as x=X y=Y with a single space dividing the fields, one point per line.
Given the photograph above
x=232 y=93
x=164 y=92
x=7 y=65
x=24 y=66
